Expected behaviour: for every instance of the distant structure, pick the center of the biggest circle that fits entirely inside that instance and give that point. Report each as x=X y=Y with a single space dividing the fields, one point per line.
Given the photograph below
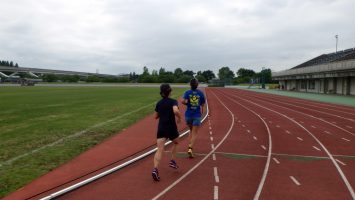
x=332 y=73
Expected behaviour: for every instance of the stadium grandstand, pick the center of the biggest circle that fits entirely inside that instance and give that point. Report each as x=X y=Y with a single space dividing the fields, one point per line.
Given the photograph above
x=332 y=73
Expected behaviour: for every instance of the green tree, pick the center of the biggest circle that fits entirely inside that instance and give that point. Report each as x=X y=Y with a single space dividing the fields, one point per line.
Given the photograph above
x=208 y=74
x=225 y=74
x=178 y=73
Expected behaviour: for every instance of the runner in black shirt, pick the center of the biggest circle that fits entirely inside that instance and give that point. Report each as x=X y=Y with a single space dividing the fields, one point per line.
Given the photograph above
x=166 y=110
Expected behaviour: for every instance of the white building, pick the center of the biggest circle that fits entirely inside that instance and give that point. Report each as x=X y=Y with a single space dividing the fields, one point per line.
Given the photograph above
x=332 y=73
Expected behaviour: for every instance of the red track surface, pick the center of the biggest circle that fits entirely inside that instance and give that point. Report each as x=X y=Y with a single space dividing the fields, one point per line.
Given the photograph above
x=303 y=137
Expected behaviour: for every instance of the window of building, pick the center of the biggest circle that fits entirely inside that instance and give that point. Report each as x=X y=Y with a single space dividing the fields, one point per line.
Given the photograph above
x=312 y=85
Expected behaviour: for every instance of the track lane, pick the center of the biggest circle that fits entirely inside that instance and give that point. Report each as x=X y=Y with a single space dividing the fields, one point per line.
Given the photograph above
x=323 y=185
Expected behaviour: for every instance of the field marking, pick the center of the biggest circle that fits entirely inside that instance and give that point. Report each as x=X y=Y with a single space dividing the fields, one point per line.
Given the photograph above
x=210 y=128
x=288 y=132
x=212 y=146
x=316 y=148
x=301 y=122
x=201 y=161
x=295 y=181
x=213 y=156
x=267 y=165
x=262 y=146
x=277 y=126
x=349 y=127
x=277 y=161
x=334 y=122
x=341 y=173
x=327 y=132
x=255 y=138
x=211 y=138
x=313 y=126
x=243 y=125
x=215 y=172
x=346 y=139
x=210 y=132
x=215 y=193
x=340 y=162
x=299 y=138
x=248 y=131
x=77 y=134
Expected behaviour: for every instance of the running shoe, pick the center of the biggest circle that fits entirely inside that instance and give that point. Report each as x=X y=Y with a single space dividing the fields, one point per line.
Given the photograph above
x=189 y=152
x=155 y=174
x=173 y=164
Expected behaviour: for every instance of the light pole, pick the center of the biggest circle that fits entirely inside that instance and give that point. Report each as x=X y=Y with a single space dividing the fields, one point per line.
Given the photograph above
x=336 y=43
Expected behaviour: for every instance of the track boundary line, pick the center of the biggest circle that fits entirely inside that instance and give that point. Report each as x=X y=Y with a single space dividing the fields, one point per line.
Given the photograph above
x=352 y=120
x=114 y=169
x=201 y=161
x=267 y=165
x=312 y=105
x=311 y=116
x=316 y=139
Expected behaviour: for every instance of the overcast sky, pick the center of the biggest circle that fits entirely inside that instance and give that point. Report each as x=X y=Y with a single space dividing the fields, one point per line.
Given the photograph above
x=122 y=36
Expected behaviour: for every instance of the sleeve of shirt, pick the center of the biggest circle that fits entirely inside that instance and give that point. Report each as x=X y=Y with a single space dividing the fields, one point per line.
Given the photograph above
x=185 y=95
x=175 y=103
x=203 y=100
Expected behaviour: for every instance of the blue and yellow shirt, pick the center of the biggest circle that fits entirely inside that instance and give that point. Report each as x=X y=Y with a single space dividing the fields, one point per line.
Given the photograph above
x=195 y=99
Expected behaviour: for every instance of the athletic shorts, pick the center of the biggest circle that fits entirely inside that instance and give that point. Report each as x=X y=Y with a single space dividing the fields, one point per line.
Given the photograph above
x=171 y=135
x=193 y=121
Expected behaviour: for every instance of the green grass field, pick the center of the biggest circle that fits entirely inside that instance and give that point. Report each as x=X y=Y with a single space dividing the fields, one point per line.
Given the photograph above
x=44 y=127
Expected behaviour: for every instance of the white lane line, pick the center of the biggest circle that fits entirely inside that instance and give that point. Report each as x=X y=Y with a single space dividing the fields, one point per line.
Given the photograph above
x=288 y=132
x=212 y=146
x=211 y=138
x=316 y=148
x=255 y=138
x=277 y=126
x=210 y=132
x=262 y=146
x=213 y=156
x=248 y=131
x=340 y=162
x=216 y=177
x=215 y=194
x=277 y=161
x=299 y=138
x=313 y=126
x=203 y=159
x=327 y=132
x=346 y=139
x=295 y=180
x=349 y=127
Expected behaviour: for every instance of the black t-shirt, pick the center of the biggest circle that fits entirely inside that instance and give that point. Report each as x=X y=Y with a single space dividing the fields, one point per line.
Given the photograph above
x=166 y=114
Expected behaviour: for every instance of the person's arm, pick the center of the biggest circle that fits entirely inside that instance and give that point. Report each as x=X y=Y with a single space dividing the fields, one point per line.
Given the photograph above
x=184 y=99
x=202 y=108
x=156 y=115
x=177 y=113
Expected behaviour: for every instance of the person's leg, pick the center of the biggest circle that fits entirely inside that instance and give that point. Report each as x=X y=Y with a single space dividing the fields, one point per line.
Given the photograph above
x=193 y=136
x=159 y=152
x=174 y=148
x=172 y=162
x=157 y=158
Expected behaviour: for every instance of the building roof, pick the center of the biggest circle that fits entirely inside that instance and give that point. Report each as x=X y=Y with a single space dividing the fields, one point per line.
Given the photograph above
x=328 y=58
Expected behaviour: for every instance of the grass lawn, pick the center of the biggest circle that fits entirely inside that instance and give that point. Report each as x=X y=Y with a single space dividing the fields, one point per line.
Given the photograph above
x=34 y=119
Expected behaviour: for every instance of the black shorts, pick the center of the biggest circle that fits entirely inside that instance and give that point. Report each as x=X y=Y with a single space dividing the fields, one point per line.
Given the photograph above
x=171 y=135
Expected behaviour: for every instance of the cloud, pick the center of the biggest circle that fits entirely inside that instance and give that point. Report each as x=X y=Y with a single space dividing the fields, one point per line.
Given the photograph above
x=121 y=36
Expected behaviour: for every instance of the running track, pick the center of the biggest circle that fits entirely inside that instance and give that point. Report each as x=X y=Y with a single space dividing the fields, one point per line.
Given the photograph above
x=252 y=146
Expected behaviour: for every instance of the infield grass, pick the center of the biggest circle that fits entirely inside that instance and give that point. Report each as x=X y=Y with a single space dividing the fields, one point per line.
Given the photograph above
x=44 y=127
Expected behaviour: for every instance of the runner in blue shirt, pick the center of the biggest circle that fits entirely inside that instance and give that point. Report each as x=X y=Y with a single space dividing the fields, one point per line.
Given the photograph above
x=194 y=99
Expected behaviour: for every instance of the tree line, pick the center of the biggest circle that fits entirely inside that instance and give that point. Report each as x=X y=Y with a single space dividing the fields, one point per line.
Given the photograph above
x=7 y=63
x=242 y=75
